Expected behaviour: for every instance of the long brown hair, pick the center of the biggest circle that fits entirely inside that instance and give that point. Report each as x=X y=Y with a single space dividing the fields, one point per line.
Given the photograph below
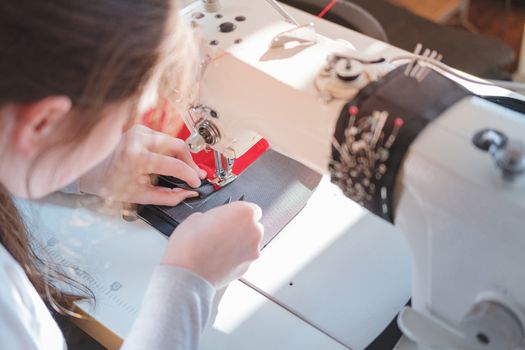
x=96 y=52
x=45 y=277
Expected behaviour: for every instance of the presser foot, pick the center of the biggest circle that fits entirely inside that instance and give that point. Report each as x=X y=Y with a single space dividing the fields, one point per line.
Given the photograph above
x=221 y=182
x=223 y=170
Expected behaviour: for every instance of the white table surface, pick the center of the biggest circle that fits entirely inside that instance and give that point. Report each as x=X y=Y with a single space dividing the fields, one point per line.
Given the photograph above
x=350 y=273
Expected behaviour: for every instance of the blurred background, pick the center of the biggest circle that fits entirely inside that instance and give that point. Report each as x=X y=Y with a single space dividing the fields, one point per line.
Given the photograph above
x=503 y=20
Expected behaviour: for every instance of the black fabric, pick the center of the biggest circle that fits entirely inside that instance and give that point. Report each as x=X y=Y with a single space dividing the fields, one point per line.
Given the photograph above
x=389 y=338
x=406 y=100
x=204 y=190
x=507 y=102
x=280 y=185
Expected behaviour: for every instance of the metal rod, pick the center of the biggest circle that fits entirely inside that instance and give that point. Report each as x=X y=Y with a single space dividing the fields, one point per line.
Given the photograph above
x=283 y=12
x=229 y=165
x=294 y=312
x=212 y=5
x=219 y=170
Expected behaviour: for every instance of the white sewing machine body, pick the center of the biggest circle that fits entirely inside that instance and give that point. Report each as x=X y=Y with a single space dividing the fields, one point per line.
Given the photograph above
x=465 y=225
x=288 y=73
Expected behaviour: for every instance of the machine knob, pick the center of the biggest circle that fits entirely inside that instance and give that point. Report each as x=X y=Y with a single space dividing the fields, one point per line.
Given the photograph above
x=348 y=70
x=488 y=139
x=196 y=142
x=207 y=134
x=511 y=160
x=509 y=155
x=227 y=27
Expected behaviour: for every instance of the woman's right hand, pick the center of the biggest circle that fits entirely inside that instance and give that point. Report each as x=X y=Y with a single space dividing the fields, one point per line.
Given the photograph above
x=218 y=245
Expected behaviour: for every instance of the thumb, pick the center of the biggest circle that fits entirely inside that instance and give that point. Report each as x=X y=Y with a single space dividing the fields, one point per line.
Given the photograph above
x=162 y=196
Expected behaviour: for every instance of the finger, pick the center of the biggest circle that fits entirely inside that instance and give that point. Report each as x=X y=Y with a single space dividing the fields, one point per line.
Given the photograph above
x=261 y=232
x=143 y=130
x=162 y=196
x=167 y=145
x=257 y=211
x=248 y=209
x=202 y=174
x=169 y=166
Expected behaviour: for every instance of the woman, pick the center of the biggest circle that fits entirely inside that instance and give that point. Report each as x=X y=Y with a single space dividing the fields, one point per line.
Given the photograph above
x=73 y=74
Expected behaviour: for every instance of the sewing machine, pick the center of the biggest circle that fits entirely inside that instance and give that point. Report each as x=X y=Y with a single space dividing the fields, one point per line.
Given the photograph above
x=458 y=194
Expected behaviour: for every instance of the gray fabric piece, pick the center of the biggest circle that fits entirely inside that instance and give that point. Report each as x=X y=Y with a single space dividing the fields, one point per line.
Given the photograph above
x=174 y=312
x=280 y=185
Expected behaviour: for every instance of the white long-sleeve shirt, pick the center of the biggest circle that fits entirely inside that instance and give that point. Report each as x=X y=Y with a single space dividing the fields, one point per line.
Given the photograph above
x=173 y=315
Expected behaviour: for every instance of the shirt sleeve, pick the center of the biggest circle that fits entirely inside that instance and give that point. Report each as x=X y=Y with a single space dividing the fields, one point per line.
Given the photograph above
x=174 y=312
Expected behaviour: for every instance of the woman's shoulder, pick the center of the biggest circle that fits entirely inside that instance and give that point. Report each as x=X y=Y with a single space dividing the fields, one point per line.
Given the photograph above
x=11 y=275
x=25 y=322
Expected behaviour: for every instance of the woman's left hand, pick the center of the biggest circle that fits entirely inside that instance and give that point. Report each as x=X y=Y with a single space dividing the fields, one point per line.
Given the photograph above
x=126 y=175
